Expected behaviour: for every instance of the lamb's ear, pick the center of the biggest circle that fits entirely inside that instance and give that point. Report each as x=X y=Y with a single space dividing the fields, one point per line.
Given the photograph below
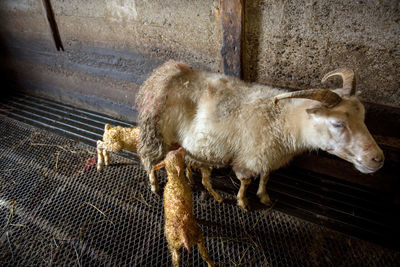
x=178 y=169
x=159 y=165
x=107 y=127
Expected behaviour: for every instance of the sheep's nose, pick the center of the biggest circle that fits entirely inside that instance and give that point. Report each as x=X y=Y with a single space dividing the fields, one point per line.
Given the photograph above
x=378 y=158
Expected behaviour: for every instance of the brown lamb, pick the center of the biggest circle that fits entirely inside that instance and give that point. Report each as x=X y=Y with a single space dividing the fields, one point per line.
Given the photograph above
x=181 y=227
x=114 y=140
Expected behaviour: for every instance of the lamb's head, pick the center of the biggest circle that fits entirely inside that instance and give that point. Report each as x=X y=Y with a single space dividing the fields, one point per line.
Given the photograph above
x=174 y=162
x=337 y=123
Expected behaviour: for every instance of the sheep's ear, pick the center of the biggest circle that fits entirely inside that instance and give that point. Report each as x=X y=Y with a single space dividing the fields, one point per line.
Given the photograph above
x=107 y=127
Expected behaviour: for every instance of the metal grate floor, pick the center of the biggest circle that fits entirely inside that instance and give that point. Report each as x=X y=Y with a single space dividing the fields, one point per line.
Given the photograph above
x=55 y=208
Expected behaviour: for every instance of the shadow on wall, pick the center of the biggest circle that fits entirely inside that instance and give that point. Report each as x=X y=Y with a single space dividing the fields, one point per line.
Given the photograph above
x=252 y=38
x=8 y=79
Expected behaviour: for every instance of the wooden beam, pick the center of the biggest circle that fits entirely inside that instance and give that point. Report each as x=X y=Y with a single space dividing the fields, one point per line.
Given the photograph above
x=52 y=24
x=232 y=30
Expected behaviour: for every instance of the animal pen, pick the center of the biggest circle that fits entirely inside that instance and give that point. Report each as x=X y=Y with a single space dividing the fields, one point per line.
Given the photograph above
x=68 y=68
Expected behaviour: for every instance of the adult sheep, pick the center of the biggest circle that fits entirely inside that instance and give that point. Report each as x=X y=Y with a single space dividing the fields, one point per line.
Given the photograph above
x=223 y=121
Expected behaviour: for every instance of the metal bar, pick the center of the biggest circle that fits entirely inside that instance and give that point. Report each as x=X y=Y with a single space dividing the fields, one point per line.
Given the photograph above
x=93 y=116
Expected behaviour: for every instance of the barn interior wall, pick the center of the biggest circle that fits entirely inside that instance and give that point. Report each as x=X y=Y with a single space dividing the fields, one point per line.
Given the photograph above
x=110 y=47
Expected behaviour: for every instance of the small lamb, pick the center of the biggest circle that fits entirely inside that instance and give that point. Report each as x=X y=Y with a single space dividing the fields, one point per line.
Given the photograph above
x=114 y=140
x=181 y=227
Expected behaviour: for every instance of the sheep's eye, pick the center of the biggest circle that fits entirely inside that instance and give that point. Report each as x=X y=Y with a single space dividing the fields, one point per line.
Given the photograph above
x=337 y=124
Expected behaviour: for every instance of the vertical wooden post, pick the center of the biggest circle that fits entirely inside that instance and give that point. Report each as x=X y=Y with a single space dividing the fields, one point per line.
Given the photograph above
x=52 y=24
x=232 y=18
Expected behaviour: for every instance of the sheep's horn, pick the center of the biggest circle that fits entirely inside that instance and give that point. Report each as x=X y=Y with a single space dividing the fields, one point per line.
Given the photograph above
x=349 y=82
x=326 y=97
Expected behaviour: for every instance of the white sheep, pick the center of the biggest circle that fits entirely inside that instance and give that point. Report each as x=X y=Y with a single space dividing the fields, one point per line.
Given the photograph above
x=223 y=121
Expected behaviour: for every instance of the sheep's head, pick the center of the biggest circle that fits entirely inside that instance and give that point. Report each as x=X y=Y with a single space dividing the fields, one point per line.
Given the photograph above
x=337 y=123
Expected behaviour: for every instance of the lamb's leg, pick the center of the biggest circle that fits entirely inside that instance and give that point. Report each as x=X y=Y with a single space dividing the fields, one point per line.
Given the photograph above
x=262 y=192
x=204 y=254
x=106 y=155
x=115 y=147
x=100 y=158
x=189 y=174
x=205 y=179
x=241 y=196
x=176 y=256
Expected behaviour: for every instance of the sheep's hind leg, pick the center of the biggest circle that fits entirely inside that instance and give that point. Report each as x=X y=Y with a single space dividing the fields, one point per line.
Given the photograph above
x=204 y=254
x=205 y=179
x=151 y=173
x=241 y=196
x=100 y=158
x=262 y=191
x=155 y=188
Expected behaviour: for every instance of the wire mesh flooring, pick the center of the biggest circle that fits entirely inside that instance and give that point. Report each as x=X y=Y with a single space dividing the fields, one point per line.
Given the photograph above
x=56 y=209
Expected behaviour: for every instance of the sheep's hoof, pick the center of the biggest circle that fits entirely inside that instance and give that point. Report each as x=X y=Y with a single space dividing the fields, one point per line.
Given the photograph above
x=243 y=204
x=155 y=188
x=218 y=197
x=264 y=199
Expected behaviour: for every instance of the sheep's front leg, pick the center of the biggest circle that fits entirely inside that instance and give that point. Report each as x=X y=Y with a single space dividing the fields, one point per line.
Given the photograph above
x=204 y=254
x=262 y=191
x=100 y=158
x=241 y=196
x=206 y=181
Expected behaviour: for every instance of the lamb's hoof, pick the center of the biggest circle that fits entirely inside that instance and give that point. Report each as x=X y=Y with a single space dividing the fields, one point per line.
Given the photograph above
x=99 y=168
x=243 y=204
x=264 y=199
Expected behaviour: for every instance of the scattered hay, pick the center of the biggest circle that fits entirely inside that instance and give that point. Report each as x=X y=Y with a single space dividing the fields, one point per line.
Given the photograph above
x=9 y=219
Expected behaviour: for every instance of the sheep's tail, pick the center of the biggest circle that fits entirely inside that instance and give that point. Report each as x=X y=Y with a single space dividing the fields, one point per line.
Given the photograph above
x=150 y=102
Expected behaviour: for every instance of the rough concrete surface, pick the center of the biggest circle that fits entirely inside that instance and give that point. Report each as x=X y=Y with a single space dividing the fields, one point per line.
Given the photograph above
x=112 y=46
x=180 y=29
x=294 y=43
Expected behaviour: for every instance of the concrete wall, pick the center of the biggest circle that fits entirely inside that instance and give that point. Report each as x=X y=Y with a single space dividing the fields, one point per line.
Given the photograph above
x=294 y=43
x=112 y=46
